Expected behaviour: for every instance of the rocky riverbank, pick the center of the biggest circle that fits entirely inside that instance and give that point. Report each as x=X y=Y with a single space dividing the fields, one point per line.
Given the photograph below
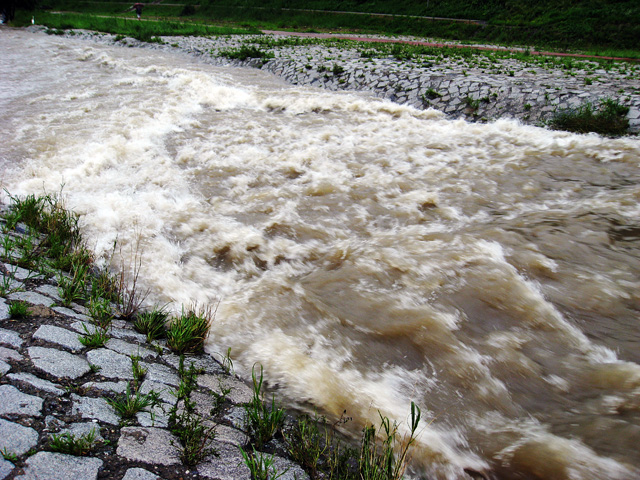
x=53 y=386
x=477 y=87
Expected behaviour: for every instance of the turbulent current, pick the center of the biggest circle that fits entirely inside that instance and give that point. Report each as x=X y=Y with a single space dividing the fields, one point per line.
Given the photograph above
x=365 y=253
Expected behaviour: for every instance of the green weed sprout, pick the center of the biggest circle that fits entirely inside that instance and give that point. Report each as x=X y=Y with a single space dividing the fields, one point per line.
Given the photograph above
x=72 y=445
x=263 y=421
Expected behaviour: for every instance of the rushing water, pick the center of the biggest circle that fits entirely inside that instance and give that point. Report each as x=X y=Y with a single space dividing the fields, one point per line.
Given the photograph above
x=367 y=254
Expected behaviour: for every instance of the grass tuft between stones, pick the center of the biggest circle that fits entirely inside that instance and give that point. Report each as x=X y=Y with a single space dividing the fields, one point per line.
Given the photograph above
x=72 y=445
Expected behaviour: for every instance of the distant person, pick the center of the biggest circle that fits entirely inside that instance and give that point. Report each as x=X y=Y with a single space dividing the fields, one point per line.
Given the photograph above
x=138 y=8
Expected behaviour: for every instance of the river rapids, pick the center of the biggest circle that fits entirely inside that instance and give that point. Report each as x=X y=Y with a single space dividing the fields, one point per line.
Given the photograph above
x=366 y=254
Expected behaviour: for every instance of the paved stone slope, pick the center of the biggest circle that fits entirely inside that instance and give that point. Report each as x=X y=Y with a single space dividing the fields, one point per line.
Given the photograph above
x=51 y=384
x=476 y=88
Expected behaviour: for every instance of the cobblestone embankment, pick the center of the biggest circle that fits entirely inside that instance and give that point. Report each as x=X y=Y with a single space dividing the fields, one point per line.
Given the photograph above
x=482 y=87
x=51 y=384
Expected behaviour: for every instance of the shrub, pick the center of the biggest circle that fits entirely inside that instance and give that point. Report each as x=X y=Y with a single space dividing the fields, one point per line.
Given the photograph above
x=337 y=69
x=610 y=119
x=188 y=10
x=431 y=94
x=244 y=52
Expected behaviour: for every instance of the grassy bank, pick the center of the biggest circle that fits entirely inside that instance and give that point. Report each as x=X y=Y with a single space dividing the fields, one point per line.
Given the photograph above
x=144 y=31
x=600 y=27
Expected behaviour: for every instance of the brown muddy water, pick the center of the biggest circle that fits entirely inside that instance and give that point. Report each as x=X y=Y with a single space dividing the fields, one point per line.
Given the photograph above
x=366 y=254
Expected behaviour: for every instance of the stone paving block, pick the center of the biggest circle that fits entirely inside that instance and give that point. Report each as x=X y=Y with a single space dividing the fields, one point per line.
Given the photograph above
x=58 y=466
x=83 y=429
x=80 y=327
x=39 y=383
x=16 y=402
x=160 y=417
x=112 y=364
x=22 y=273
x=8 y=354
x=237 y=417
x=50 y=291
x=117 y=387
x=139 y=474
x=6 y=467
x=240 y=391
x=128 y=334
x=9 y=337
x=16 y=438
x=58 y=363
x=52 y=423
x=32 y=298
x=60 y=336
x=231 y=436
x=161 y=374
x=289 y=470
x=163 y=391
x=129 y=349
x=149 y=445
x=72 y=313
x=4 y=309
x=4 y=367
x=205 y=362
x=228 y=465
x=94 y=408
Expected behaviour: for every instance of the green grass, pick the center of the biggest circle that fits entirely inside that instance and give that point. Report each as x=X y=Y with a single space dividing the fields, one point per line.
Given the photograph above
x=139 y=372
x=152 y=323
x=18 y=309
x=144 y=31
x=188 y=332
x=185 y=423
x=101 y=312
x=72 y=445
x=73 y=288
x=54 y=234
x=131 y=402
x=604 y=28
x=383 y=453
x=607 y=119
x=244 y=52
x=95 y=339
x=263 y=421
x=261 y=465
x=8 y=455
